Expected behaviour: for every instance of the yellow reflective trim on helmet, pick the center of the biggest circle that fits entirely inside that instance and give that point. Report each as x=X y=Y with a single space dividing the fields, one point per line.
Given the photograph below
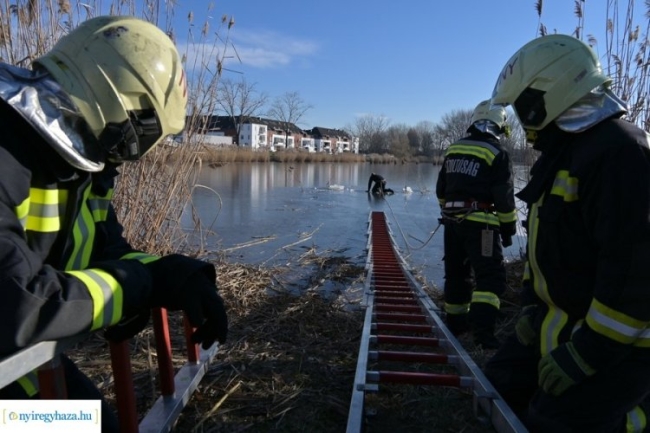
x=635 y=421
x=565 y=186
x=29 y=383
x=107 y=295
x=486 y=298
x=507 y=217
x=456 y=308
x=613 y=324
x=143 y=258
x=474 y=150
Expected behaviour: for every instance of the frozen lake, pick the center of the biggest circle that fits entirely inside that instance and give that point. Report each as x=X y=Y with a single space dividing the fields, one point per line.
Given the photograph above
x=266 y=213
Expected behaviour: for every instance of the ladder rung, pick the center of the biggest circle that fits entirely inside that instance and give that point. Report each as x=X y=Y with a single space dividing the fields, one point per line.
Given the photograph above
x=415 y=378
x=422 y=329
x=391 y=355
x=405 y=340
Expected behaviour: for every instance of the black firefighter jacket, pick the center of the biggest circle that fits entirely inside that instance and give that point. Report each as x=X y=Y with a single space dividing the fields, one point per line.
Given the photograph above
x=64 y=266
x=588 y=253
x=477 y=169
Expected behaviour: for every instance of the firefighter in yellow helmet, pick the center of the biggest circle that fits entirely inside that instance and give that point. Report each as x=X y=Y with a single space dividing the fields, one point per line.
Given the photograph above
x=476 y=195
x=106 y=93
x=579 y=360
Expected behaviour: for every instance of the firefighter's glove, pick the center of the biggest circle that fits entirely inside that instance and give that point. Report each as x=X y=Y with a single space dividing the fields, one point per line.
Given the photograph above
x=128 y=327
x=524 y=328
x=198 y=298
x=506 y=241
x=562 y=368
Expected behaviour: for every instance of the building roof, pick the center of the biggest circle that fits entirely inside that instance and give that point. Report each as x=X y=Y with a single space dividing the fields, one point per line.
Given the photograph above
x=320 y=132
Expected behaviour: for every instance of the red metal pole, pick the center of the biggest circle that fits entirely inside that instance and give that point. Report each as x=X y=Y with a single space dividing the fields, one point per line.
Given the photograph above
x=124 y=391
x=164 y=351
x=51 y=380
x=192 y=349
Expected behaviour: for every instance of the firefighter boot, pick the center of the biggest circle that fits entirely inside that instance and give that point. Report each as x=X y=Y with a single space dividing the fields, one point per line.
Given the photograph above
x=457 y=323
x=482 y=318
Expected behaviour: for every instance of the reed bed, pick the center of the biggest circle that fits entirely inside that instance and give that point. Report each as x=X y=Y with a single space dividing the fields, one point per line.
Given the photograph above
x=290 y=359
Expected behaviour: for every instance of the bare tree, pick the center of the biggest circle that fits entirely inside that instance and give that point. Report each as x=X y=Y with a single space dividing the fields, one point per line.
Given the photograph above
x=371 y=130
x=240 y=99
x=426 y=133
x=453 y=126
x=398 y=140
x=289 y=109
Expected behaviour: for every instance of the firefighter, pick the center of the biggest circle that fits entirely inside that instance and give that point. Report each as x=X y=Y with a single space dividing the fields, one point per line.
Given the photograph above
x=379 y=187
x=106 y=93
x=476 y=194
x=580 y=357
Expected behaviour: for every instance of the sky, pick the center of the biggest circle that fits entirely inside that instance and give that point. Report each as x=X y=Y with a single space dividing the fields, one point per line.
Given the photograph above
x=408 y=61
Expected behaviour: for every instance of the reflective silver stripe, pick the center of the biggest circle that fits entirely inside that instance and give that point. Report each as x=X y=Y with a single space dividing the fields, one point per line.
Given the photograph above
x=635 y=421
x=83 y=235
x=106 y=294
x=612 y=328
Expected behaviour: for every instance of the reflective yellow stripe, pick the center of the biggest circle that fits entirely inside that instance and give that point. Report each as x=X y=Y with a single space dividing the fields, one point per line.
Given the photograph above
x=107 y=296
x=21 y=212
x=526 y=276
x=29 y=383
x=43 y=210
x=555 y=319
x=141 y=257
x=507 y=217
x=83 y=235
x=99 y=208
x=486 y=298
x=614 y=324
x=643 y=340
x=636 y=421
x=478 y=149
x=456 y=308
x=565 y=186
x=483 y=217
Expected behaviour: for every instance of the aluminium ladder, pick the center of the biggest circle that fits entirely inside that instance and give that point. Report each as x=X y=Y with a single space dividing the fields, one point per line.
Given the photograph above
x=399 y=312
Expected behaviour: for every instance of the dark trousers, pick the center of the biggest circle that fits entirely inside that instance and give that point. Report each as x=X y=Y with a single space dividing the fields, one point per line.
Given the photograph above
x=463 y=253
x=599 y=404
x=79 y=387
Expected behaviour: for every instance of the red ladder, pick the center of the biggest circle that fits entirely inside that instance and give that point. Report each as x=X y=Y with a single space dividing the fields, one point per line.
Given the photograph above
x=399 y=312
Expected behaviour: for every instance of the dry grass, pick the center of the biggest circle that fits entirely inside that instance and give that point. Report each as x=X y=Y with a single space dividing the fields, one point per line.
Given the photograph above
x=290 y=359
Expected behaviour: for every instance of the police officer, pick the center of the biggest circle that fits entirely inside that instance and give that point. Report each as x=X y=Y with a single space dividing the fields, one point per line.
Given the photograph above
x=476 y=195
x=580 y=357
x=106 y=93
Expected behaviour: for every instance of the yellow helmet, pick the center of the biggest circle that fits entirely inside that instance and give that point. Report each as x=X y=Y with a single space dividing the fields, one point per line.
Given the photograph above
x=121 y=70
x=486 y=111
x=546 y=77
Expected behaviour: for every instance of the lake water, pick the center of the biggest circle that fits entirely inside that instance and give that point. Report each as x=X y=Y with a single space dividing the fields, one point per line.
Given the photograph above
x=268 y=213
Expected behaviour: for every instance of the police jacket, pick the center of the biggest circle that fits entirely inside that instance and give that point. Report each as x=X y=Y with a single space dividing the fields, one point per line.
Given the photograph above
x=476 y=171
x=588 y=252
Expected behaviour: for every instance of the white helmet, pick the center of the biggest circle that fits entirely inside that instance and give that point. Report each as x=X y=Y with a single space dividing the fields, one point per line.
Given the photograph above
x=546 y=77
x=121 y=70
x=486 y=111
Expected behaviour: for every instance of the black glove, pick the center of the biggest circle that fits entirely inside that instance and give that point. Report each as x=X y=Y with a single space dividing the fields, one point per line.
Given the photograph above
x=506 y=240
x=183 y=283
x=204 y=308
x=128 y=327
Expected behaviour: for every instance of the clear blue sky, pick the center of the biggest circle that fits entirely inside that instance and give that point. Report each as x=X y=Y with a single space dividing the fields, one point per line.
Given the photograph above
x=409 y=61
